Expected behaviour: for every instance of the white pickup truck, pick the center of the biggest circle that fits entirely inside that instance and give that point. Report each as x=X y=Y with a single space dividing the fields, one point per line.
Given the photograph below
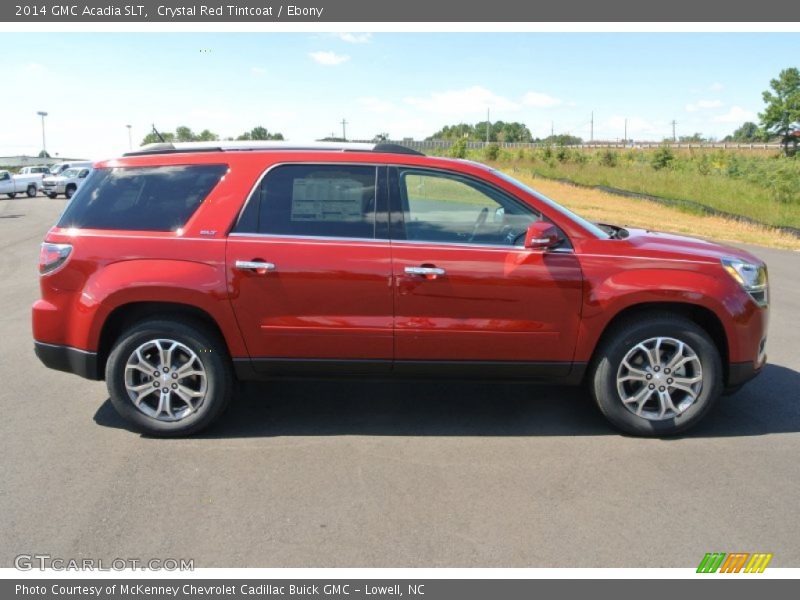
x=11 y=185
x=66 y=183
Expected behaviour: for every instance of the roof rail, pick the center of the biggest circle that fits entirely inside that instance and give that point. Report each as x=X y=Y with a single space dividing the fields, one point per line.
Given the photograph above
x=234 y=146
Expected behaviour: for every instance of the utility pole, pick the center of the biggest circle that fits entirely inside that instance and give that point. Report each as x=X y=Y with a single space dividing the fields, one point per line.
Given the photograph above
x=591 y=128
x=130 y=140
x=488 y=125
x=625 y=139
x=552 y=128
x=674 y=138
x=43 y=114
x=344 y=131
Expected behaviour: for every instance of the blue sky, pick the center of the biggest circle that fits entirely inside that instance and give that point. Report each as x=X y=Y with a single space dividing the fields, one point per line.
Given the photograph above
x=406 y=84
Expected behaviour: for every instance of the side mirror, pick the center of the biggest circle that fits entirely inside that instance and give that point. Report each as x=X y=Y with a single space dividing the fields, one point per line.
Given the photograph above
x=541 y=235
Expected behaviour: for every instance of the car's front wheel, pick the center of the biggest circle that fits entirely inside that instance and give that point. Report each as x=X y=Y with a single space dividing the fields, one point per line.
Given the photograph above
x=31 y=191
x=169 y=378
x=12 y=195
x=70 y=191
x=656 y=374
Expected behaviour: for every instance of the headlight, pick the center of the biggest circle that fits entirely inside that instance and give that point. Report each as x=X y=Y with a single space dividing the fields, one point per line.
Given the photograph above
x=753 y=278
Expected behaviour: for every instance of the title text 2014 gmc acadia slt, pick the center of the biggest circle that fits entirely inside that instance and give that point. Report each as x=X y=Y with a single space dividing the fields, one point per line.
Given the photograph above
x=179 y=268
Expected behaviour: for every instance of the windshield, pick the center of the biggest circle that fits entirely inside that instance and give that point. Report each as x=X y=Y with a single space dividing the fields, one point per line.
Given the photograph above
x=588 y=225
x=70 y=173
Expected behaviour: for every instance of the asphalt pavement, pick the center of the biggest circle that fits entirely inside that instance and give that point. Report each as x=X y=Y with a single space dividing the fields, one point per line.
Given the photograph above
x=400 y=474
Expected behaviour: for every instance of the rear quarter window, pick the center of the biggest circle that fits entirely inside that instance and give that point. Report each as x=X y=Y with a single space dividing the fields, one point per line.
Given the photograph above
x=141 y=198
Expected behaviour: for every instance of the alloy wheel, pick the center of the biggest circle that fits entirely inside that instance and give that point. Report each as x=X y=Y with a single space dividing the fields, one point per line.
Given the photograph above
x=659 y=378
x=165 y=380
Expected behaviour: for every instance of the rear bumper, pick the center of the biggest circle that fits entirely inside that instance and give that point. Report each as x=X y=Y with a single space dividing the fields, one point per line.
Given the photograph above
x=66 y=358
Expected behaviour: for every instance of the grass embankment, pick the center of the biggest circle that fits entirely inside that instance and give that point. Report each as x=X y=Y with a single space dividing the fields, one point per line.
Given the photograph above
x=609 y=208
x=758 y=185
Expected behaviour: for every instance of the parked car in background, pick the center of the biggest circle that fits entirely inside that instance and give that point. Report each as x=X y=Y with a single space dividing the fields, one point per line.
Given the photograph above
x=66 y=183
x=61 y=167
x=11 y=185
x=180 y=268
x=35 y=170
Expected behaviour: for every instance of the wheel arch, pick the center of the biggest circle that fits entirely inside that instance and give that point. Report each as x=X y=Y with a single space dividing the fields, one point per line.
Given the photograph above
x=702 y=316
x=126 y=315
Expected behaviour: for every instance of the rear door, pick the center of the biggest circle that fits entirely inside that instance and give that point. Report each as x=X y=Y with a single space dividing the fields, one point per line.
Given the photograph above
x=465 y=287
x=309 y=269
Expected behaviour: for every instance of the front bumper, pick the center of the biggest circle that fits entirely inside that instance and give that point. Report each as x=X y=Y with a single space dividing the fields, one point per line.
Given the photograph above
x=741 y=373
x=66 y=358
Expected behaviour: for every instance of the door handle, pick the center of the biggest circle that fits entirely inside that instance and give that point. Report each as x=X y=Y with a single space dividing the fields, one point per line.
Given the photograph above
x=429 y=272
x=254 y=265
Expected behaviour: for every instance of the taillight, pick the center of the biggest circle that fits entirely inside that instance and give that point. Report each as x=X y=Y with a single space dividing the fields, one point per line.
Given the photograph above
x=52 y=256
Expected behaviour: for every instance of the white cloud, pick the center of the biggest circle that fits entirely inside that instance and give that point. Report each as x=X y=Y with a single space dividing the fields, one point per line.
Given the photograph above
x=539 y=100
x=258 y=70
x=736 y=114
x=472 y=100
x=703 y=105
x=355 y=38
x=328 y=57
x=376 y=105
x=716 y=87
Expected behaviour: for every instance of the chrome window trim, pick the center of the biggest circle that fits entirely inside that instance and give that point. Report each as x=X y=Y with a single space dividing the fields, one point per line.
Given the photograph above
x=308 y=163
x=307 y=238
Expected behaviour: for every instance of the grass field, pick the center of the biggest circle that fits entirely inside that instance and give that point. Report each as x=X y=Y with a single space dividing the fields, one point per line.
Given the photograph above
x=609 y=208
x=759 y=185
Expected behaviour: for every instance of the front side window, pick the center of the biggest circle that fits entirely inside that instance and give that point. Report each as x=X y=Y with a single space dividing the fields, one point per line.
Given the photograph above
x=313 y=200
x=447 y=208
x=141 y=198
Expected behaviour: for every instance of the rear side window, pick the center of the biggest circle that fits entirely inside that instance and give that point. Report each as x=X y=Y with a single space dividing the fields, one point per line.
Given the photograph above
x=313 y=200
x=141 y=198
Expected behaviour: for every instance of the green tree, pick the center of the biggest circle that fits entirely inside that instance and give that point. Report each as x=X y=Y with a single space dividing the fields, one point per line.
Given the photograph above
x=781 y=117
x=260 y=133
x=44 y=154
x=748 y=132
x=695 y=138
x=381 y=137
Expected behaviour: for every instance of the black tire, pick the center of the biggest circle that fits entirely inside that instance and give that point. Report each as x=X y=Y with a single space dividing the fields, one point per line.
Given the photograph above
x=210 y=350
x=624 y=336
x=69 y=191
x=52 y=196
x=12 y=195
x=31 y=191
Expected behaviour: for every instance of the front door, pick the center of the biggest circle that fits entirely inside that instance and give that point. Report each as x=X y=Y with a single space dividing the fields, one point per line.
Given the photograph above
x=465 y=287
x=309 y=269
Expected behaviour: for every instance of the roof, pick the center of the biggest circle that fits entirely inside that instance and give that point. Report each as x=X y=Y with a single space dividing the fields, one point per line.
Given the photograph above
x=232 y=146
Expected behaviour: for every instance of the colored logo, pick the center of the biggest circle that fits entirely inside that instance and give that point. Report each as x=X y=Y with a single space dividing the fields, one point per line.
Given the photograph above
x=735 y=562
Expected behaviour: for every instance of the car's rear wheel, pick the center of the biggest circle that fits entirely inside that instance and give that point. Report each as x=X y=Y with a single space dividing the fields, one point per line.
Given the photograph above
x=31 y=191
x=658 y=374
x=70 y=191
x=169 y=378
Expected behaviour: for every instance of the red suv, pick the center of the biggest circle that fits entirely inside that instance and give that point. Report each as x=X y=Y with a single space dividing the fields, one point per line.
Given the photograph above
x=178 y=269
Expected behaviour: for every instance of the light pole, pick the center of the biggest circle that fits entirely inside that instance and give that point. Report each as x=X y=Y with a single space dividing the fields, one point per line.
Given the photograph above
x=43 y=114
x=130 y=140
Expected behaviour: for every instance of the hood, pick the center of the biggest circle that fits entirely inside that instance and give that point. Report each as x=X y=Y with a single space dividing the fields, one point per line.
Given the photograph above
x=680 y=246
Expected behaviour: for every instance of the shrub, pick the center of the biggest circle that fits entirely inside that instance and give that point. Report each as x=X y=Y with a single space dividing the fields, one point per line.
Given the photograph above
x=491 y=152
x=608 y=158
x=704 y=165
x=459 y=148
x=662 y=158
x=562 y=154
